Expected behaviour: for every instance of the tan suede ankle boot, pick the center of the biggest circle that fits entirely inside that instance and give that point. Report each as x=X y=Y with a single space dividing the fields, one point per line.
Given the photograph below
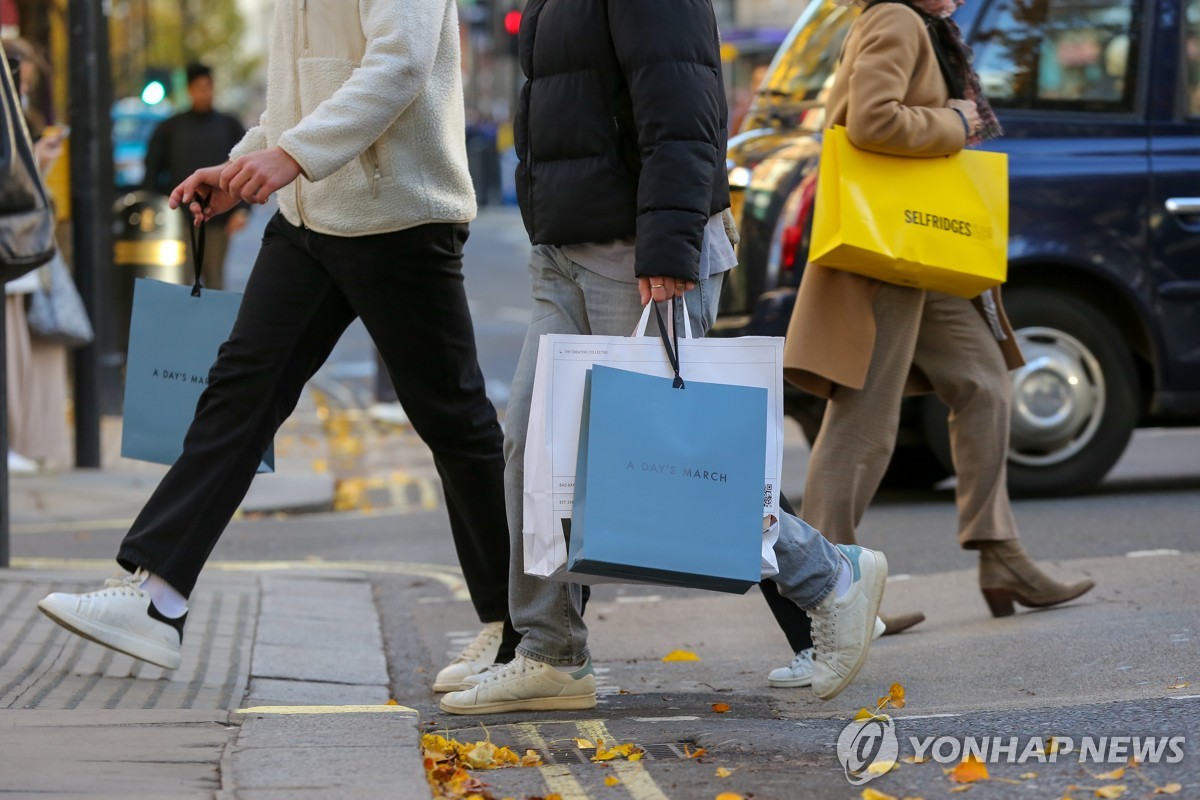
x=1007 y=574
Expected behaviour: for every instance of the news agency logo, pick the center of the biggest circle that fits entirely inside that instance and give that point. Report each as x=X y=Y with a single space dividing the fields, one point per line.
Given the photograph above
x=868 y=748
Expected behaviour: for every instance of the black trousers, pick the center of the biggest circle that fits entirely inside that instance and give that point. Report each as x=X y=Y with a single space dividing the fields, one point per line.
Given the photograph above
x=306 y=288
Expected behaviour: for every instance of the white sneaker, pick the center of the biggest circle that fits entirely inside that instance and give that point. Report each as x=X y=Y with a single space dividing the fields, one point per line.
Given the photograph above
x=800 y=671
x=480 y=677
x=842 y=627
x=20 y=465
x=122 y=617
x=474 y=659
x=526 y=685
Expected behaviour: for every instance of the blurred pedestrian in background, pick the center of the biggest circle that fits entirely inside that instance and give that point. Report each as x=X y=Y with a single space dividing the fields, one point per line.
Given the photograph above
x=192 y=140
x=38 y=434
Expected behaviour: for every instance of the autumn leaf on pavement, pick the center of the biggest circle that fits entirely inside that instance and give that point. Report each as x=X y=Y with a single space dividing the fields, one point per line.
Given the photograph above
x=1028 y=776
x=584 y=744
x=1115 y=775
x=1170 y=788
x=611 y=780
x=894 y=698
x=915 y=759
x=1049 y=747
x=1113 y=790
x=875 y=794
x=724 y=772
x=1179 y=685
x=626 y=751
x=688 y=752
x=680 y=655
x=970 y=770
x=729 y=796
x=966 y=787
x=531 y=759
x=720 y=708
x=882 y=767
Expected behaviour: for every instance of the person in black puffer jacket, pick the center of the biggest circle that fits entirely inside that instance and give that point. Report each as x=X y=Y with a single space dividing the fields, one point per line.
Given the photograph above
x=621 y=133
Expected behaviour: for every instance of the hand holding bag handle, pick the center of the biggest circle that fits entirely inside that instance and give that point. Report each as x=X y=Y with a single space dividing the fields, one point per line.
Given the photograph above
x=672 y=337
x=26 y=219
x=196 y=235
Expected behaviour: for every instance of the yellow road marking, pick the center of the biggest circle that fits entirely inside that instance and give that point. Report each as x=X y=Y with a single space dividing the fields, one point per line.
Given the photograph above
x=633 y=775
x=450 y=577
x=293 y=710
x=558 y=777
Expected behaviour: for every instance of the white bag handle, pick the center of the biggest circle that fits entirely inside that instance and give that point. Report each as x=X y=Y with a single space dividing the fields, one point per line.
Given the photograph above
x=644 y=322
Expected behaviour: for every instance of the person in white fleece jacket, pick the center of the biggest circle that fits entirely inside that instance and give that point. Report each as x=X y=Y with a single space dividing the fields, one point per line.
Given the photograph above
x=363 y=141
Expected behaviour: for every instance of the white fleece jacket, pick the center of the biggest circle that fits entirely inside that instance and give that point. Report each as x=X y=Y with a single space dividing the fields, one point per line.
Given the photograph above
x=367 y=97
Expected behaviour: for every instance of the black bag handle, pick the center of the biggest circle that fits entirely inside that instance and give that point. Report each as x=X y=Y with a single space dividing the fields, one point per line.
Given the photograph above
x=196 y=234
x=672 y=355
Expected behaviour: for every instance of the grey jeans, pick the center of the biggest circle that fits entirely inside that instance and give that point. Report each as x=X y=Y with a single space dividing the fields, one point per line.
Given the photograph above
x=568 y=298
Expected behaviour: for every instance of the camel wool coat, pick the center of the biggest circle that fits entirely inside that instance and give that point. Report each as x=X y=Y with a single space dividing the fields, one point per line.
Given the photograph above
x=890 y=96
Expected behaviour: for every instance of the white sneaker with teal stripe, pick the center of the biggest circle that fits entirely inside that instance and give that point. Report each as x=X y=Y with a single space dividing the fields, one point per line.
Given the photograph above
x=526 y=685
x=842 y=626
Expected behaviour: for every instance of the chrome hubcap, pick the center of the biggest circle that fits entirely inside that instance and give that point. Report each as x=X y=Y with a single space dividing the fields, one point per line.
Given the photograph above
x=1058 y=398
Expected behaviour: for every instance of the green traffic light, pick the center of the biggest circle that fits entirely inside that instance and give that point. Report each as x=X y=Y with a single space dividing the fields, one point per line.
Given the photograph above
x=154 y=93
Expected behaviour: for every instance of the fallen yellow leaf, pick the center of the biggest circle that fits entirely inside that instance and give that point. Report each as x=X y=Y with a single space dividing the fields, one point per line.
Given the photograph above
x=965 y=787
x=392 y=702
x=720 y=708
x=1170 y=788
x=1179 y=685
x=882 y=767
x=874 y=794
x=1028 y=776
x=688 y=752
x=1115 y=775
x=584 y=744
x=894 y=697
x=531 y=759
x=863 y=713
x=729 y=796
x=969 y=771
x=611 y=780
x=635 y=757
x=723 y=772
x=626 y=751
x=1113 y=790
x=680 y=655
x=914 y=759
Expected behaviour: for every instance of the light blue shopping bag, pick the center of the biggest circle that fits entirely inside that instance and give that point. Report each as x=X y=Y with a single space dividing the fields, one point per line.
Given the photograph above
x=669 y=482
x=174 y=335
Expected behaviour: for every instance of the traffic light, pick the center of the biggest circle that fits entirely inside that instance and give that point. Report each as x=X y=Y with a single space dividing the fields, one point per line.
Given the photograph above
x=512 y=29
x=156 y=85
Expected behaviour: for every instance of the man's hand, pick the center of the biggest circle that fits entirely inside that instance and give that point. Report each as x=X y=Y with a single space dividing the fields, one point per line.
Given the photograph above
x=255 y=177
x=237 y=220
x=203 y=185
x=663 y=288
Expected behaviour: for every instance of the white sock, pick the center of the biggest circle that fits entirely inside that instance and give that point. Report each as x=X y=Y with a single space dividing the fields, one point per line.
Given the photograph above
x=170 y=603
x=845 y=577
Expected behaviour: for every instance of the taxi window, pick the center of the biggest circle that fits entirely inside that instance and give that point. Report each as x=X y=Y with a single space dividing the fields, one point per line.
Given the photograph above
x=1059 y=54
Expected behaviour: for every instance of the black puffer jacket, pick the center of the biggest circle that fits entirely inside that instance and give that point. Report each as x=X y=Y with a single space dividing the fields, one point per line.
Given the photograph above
x=621 y=127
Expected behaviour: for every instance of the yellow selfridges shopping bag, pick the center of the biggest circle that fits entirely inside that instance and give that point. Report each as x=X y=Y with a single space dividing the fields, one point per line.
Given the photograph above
x=931 y=223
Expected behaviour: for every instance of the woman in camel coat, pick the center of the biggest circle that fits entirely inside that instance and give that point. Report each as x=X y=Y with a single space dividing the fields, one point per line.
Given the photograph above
x=905 y=87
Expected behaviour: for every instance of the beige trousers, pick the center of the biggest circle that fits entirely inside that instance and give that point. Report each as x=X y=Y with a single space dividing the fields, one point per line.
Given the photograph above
x=947 y=339
x=37 y=390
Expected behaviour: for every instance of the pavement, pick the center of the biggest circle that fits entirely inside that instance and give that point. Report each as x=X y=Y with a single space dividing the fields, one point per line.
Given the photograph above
x=286 y=692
